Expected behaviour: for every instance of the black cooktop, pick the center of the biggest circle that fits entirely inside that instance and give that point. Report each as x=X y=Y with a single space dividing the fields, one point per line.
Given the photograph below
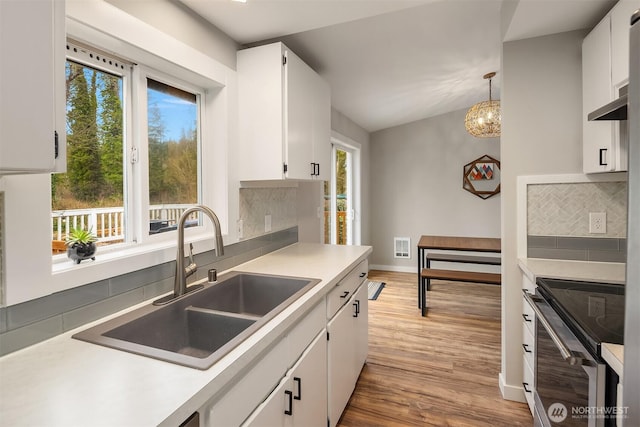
x=594 y=311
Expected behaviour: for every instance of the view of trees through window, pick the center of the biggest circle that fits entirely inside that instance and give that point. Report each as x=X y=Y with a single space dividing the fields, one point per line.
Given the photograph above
x=92 y=193
x=94 y=175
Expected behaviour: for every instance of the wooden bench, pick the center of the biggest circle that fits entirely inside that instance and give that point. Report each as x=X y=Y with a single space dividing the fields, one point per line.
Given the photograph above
x=463 y=259
x=426 y=274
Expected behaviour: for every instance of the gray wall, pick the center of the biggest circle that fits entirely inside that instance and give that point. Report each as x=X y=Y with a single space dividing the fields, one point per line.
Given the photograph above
x=541 y=134
x=416 y=184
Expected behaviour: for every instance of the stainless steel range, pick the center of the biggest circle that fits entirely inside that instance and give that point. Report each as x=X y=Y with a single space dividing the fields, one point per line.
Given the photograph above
x=574 y=386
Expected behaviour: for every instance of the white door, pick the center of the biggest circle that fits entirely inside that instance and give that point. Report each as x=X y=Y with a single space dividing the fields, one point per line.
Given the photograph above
x=342 y=195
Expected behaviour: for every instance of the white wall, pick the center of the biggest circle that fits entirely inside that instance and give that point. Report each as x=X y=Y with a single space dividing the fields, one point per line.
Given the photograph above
x=416 y=186
x=541 y=134
x=180 y=22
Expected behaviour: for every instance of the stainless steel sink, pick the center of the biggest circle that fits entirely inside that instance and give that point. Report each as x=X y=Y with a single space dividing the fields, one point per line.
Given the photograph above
x=200 y=327
x=250 y=294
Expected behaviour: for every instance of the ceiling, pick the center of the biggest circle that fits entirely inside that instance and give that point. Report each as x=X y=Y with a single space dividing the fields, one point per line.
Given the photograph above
x=391 y=62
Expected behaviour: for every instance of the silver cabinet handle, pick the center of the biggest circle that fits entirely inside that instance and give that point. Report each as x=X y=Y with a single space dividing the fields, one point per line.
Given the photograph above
x=567 y=355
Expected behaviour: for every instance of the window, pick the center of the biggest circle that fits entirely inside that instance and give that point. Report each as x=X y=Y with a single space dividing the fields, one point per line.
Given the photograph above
x=172 y=132
x=90 y=195
x=109 y=165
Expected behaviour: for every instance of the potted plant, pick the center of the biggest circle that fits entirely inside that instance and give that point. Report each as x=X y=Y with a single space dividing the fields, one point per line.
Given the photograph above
x=81 y=245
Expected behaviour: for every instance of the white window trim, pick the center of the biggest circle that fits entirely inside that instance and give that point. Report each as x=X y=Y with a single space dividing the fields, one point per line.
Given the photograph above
x=108 y=28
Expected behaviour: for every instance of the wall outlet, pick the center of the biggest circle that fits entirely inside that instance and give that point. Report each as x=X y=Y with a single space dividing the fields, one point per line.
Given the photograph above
x=597 y=222
x=596 y=306
x=267 y=223
x=240 y=229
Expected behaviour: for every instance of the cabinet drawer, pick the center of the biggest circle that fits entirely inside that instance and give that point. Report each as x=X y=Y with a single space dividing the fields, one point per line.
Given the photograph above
x=345 y=288
x=528 y=316
x=528 y=382
x=528 y=345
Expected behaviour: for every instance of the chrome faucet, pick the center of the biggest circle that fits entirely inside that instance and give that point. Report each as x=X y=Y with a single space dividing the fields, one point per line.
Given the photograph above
x=182 y=272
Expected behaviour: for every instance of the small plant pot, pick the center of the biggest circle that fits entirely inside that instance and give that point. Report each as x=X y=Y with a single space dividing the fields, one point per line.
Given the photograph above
x=81 y=251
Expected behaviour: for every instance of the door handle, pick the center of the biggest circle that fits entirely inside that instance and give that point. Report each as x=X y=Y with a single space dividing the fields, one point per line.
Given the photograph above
x=526 y=317
x=602 y=162
x=526 y=389
x=298 y=381
x=290 y=396
x=345 y=294
x=526 y=348
x=356 y=304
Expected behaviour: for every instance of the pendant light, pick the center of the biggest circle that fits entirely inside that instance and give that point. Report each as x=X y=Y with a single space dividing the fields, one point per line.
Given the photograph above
x=483 y=119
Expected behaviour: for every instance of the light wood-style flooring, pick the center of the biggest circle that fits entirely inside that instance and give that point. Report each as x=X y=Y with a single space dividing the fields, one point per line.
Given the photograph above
x=440 y=370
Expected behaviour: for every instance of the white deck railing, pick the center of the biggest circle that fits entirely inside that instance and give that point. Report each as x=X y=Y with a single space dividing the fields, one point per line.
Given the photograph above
x=107 y=223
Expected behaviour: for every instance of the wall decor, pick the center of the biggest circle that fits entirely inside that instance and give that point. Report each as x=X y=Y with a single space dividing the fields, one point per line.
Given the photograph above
x=482 y=177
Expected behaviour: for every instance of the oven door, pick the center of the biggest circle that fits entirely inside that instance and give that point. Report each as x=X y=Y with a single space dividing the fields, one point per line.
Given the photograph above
x=569 y=382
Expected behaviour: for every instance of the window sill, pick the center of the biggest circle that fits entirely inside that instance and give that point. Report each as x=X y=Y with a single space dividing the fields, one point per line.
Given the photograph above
x=110 y=263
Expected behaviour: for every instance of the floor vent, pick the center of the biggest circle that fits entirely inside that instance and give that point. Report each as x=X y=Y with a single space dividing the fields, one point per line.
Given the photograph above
x=401 y=247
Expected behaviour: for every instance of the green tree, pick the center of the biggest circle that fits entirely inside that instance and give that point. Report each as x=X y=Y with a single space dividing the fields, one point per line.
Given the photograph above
x=158 y=152
x=83 y=150
x=110 y=132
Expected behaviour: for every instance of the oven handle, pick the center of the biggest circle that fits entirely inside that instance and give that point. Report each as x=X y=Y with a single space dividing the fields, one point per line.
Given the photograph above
x=566 y=353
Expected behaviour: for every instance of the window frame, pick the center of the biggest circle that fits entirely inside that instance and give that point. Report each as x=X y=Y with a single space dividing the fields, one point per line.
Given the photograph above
x=100 y=24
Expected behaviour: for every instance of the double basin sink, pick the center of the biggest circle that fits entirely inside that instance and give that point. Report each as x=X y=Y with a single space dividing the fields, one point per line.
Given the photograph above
x=199 y=328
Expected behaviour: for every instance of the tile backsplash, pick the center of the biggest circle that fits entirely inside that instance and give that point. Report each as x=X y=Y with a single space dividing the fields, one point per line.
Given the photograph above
x=563 y=209
x=255 y=203
x=558 y=221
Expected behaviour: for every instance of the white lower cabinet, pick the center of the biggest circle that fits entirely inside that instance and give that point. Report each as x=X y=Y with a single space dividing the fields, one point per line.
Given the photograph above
x=236 y=404
x=307 y=376
x=300 y=399
x=348 y=347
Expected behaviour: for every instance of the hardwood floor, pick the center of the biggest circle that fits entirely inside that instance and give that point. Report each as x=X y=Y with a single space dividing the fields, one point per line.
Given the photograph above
x=440 y=370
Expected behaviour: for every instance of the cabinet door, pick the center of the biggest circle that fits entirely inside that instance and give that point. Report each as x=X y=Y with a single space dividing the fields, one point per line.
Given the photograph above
x=309 y=386
x=299 y=117
x=300 y=399
x=29 y=70
x=340 y=355
x=322 y=129
x=361 y=321
x=347 y=351
x=620 y=25
x=597 y=137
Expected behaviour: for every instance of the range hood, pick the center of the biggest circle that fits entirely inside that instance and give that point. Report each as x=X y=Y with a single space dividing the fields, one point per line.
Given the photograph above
x=615 y=110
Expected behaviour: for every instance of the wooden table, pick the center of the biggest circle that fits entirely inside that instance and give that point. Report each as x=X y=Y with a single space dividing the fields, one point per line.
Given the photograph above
x=453 y=243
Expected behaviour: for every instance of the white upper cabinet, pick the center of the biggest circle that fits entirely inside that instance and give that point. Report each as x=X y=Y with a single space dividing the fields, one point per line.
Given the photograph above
x=597 y=137
x=32 y=86
x=605 y=69
x=284 y=116
x=620 y=24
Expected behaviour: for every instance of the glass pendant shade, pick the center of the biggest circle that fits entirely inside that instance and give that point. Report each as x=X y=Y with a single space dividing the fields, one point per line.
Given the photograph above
x=483 y=119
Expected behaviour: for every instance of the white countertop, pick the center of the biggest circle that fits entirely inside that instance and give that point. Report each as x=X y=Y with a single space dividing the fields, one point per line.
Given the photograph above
x=63 y=381
x=608 y=272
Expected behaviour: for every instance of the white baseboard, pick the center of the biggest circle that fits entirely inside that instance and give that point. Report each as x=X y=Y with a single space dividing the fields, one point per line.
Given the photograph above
x=510 y=392
x=395 y=268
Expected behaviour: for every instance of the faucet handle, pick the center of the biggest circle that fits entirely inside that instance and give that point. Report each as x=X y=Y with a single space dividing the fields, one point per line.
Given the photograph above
x=190 y=253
